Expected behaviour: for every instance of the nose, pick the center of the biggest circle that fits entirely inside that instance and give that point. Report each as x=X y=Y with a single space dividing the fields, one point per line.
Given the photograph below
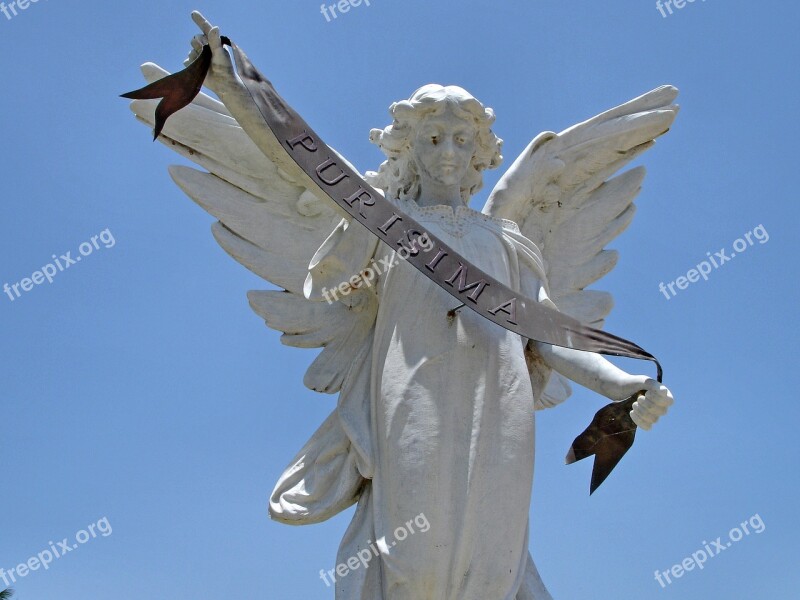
x=448 y=147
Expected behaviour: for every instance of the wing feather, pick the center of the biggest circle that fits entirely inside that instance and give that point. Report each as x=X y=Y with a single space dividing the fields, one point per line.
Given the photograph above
x=313 y=325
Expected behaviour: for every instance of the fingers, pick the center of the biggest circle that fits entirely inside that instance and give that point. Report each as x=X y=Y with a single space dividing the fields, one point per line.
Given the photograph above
x=646 y=425
x=222 y=66
x=651 y=385
x=219 y=56
x=201 y=22
x=642 y=417
x=647 y=410
x=214 y=39
x=198 y=42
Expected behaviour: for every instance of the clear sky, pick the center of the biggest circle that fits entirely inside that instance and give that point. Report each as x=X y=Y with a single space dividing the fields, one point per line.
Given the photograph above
x=142 y=396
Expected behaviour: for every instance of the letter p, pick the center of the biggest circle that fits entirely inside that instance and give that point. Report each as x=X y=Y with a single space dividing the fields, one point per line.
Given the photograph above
x=304 y=140
x=368 y=276
x=364 y=559
x=45 y=561
x=703 y=272
x=47 y=273
x=697 y=560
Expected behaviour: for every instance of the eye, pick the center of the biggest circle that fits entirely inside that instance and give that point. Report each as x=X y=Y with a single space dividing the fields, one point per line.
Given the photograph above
x=434 y=139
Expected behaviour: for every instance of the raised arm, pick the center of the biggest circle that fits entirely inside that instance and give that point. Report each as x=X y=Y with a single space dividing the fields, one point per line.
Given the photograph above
x=224 y=82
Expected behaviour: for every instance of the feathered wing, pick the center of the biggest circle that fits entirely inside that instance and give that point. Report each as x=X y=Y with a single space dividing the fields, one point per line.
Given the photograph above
x=269 y=223
x=566 y=196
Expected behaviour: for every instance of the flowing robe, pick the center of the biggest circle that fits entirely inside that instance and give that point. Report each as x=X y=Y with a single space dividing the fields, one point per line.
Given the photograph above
x=434 y=429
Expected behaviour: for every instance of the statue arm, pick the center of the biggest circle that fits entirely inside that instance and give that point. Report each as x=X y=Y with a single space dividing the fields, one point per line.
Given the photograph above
x=592 y=371
x=346 y=252
x=598 y=374
x=588 y=369
x=225 y=83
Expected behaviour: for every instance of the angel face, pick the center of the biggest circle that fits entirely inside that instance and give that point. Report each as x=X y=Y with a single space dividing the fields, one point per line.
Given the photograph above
x=443 y=148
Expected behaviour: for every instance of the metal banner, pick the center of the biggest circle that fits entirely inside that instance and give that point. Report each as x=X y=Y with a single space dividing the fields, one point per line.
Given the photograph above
x=449 y=270
x=453 y=273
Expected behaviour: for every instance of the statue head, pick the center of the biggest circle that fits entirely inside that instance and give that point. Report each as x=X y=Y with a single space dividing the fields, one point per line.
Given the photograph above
x=441 y=133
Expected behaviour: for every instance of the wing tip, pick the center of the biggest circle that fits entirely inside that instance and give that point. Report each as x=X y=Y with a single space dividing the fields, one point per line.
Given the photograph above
x=152 y=72
x=177 y=171
x=665 y=94
x=184 y=177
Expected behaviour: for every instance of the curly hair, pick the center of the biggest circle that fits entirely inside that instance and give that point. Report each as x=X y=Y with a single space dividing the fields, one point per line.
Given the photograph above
x=398 y=176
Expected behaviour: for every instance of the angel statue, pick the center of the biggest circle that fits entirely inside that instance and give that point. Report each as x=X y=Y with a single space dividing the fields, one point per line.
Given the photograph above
x=433 y=430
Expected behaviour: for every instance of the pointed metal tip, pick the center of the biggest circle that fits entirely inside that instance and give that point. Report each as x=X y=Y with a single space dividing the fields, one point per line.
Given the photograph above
x=570 y=456
x=158 y=128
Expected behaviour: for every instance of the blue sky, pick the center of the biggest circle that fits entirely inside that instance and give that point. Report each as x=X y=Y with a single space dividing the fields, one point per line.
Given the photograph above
x=139 y=387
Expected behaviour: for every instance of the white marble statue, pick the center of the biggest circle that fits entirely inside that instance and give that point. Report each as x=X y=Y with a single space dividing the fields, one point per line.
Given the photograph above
x=435 y=413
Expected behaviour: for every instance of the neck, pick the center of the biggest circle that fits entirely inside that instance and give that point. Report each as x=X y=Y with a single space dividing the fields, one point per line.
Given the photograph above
x=432 y=194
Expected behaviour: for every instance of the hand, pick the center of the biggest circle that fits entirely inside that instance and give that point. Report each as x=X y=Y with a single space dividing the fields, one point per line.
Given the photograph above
x=221 y=75
x=653 y=405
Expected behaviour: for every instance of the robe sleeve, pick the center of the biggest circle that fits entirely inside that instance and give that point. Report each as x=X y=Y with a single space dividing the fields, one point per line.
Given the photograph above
x=550 y=388
x=345 y=253
x=532 y=274
x=321 y=481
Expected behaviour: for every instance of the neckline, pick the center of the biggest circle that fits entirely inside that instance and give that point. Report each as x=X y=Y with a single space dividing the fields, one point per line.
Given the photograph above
x=455 y=213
